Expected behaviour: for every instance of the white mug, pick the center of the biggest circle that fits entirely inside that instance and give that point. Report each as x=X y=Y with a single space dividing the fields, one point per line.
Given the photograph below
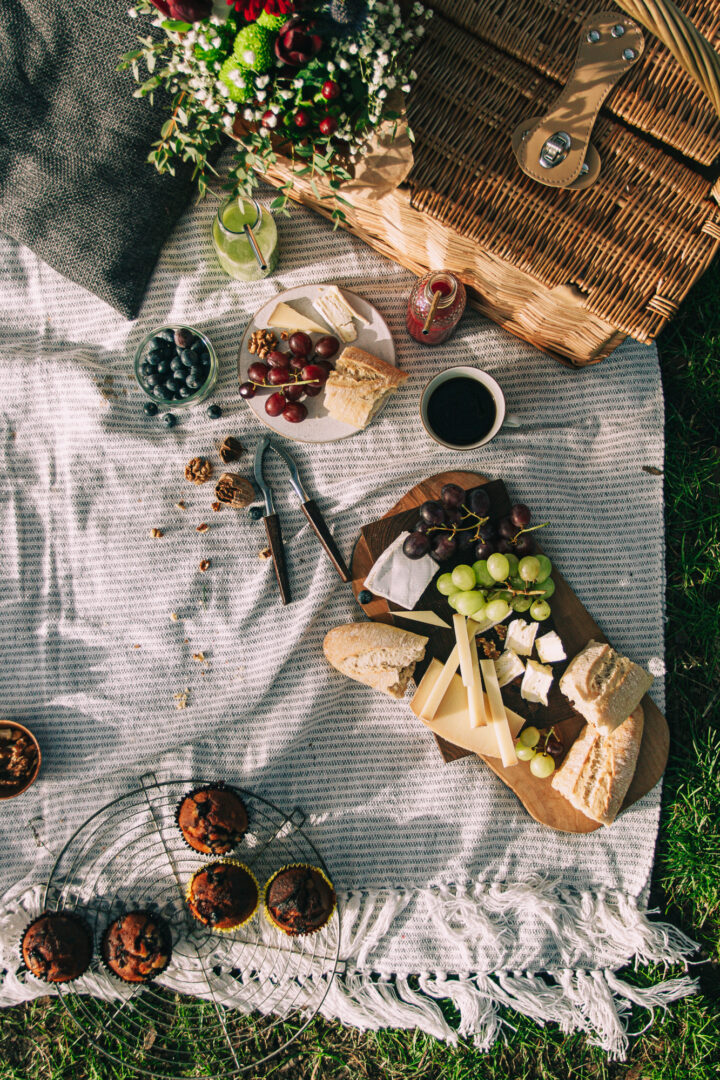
x=489 y=383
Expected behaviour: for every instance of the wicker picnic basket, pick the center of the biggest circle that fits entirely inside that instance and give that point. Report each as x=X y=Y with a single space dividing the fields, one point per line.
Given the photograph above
x=573 y=272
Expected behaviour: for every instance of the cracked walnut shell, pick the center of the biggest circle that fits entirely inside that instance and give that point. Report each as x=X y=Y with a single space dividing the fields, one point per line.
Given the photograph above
x=198 y=470
x=231 y=449
x=235 y=490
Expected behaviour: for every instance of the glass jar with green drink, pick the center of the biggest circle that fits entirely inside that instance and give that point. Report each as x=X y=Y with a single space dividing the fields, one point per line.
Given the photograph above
x=245 y=239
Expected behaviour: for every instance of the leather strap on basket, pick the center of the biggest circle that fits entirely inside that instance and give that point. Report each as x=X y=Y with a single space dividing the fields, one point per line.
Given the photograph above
x=555 y=149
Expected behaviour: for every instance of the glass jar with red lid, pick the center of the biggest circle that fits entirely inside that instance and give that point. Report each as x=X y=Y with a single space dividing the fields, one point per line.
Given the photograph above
x=436 y=304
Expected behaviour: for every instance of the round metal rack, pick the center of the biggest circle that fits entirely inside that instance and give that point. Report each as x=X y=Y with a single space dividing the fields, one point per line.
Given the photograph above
x=227 y=1002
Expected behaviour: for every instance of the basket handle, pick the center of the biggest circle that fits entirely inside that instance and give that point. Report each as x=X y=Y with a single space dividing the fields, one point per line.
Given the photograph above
x=691 y=50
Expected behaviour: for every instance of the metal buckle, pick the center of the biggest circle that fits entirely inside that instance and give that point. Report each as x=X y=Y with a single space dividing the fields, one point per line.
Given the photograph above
x=555 y=149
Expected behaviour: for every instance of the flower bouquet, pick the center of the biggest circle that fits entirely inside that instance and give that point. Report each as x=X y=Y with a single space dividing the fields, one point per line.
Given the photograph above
x=311 y=79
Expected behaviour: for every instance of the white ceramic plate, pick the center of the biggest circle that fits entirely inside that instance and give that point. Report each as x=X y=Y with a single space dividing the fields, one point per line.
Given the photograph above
x=318 y=426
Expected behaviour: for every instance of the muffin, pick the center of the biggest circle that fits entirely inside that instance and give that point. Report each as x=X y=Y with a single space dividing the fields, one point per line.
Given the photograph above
x=299 y=900
x=57 y=947
x=223 y=895
x=212 y=820
x=137 y=947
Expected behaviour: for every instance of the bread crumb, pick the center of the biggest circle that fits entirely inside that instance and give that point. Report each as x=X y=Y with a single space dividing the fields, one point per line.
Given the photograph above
x=174 y=616
x=181 y=700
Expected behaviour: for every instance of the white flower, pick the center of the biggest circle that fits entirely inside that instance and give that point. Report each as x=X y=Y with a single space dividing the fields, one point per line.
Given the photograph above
x=132 y=13
x=382 y=93
x=261 y=95
x=231 y=106
x=222 y=88
x=248 y=114
x=271 y=121
x=391 y=82
x=248 y=57
x=275 y=109
x=330 y=66
x=343 y=64
x=420 y=31
x=203 y=41
x=262 y=81
x=285 y=94
x=406 y=88
x=352 y=48
x=216 y=42
x=264 y=131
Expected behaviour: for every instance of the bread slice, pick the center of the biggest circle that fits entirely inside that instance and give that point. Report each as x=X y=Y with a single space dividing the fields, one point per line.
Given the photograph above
x=596 y=773
x=603 y=686
x=376 y=654
x=359 y=386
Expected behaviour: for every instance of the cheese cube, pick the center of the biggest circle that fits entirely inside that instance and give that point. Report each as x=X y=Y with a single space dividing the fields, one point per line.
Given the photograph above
x=550 y=648
x=508 y=667
x=521 y=637
x=537 y=680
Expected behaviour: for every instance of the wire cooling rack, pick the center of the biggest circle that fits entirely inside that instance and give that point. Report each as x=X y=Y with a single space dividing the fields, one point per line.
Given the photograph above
x=227 y=1002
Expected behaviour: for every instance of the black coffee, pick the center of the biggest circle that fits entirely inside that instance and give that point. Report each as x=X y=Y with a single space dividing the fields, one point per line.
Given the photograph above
x=461 y=411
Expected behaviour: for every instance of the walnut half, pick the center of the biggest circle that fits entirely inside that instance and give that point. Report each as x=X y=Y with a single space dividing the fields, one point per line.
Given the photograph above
x=198 y=470
x=235 y=490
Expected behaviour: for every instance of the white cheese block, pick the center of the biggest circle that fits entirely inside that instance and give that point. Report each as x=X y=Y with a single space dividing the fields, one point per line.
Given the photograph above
x=498 y=714
x=436 y=692
x=397 y=578
x=333 y=307
x=537 y=680
x=508 y=667
x=287 y=318
x=550 y=648
x=476 y=701
x=484 y=625
x=521 y=637
x=450 y=720
x=460 y=627
x=428 y=617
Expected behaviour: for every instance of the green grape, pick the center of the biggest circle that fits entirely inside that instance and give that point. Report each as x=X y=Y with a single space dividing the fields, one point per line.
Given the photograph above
x=500 y=594
x=529 y=568
x=521 y=603
x=513 y=562
x=446 y=585
x=546 y=589
x=498 y=566
x=540 y=610
x=463 y=577
x=497 y=610
x=530 y=736
x=525 y=753
x=452 y=600
x=542 y=765
x=482 y=574
x=545 y=568
x=468 y=603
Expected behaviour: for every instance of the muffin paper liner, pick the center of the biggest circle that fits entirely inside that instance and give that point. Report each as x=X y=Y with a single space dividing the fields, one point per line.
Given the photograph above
x=150 y=978
x=87 y=929
x=236 y=926
x=268 y=914
x=219 y=786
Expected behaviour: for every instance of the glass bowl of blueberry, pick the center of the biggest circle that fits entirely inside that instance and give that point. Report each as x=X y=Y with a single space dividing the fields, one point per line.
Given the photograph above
x=176 y=365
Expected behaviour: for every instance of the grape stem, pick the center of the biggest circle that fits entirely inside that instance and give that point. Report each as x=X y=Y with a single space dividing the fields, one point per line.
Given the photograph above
x=282 y=386
x=531 y=528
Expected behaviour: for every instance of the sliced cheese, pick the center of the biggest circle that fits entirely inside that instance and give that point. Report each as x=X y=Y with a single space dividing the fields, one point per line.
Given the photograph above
x=437 y=692
x=508 y=667
x=498 y=714
x=550 y=648
x=451 y=719
x=336 y=310
x=287 y=318
x=537 y=680
x=428 y=617
x=521 y=637
x=476 y=701
x=460 y=627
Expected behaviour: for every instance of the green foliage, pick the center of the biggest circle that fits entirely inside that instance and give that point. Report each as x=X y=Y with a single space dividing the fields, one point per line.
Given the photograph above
x=253 y=48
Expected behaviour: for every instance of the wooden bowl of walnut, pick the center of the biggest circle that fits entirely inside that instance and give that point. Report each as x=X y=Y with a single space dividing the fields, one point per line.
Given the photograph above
x=19 y=759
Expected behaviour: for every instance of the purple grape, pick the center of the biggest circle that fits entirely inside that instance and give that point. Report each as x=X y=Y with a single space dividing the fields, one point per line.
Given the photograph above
x=484 y=549
x=520 y=515
x=452 y=516
x=432 y=512
x=486 y=531
x=443 y=547
x=504 y=546
x=478 y=501
x=524 y=545
x=506 y=528
x=421 y=526
x=452 y=496
x=416 y=545
x=465 y=540
x=248 y=390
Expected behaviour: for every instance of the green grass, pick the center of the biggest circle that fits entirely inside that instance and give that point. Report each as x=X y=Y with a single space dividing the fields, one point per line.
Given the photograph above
x=39 y=1042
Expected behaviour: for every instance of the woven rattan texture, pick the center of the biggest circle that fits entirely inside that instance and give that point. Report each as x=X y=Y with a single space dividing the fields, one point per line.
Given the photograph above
x=657 y=96
x=633 y=243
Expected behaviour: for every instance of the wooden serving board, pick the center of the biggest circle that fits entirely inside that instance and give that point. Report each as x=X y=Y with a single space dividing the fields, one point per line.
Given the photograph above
x=571 y=620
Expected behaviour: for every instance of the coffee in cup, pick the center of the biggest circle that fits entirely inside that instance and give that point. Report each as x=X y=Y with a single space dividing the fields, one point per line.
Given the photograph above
x=462 y=408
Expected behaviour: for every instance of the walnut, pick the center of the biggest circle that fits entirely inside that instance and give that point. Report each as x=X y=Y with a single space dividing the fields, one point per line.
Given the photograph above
x=181 y=505
x=198 y=470
x=235 y=490
x=261 y=343
x=231 y=449
x=204 y=565
x=203 y=527
x=216 y=506
x=266 y=553
x=156 y=533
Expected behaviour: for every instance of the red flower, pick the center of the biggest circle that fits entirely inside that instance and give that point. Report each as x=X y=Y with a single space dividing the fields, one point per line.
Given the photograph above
x=184 y=10
x=297 y=43
x=252 y=9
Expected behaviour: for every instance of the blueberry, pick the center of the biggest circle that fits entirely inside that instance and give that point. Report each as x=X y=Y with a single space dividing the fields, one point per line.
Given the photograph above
x=163 y=367
x=152 y=378
x=165 y=335
x=183 y=338
x=188 y=357
x=177 y=365
x=365 y=596
x=145 y=369
x=203 y=354
x=159 y=393
x=172 y=386
x=150 y=408
x=256 y=513
x=168 y=419
x=184 y=392
x=214 y=412
x=192 y=382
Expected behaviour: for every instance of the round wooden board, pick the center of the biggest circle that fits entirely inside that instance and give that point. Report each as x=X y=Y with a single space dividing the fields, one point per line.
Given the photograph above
x=576 y=627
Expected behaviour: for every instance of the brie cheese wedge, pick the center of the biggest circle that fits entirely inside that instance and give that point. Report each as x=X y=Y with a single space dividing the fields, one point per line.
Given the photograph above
x=336 y=310
x=428 y=617
x=508 y=667
x=521 y=637
x=537 y=680
x=395 y=577
x=285 y=317
x=550 y=648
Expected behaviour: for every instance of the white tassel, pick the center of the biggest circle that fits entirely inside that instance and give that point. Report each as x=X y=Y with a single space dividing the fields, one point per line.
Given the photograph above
x=478 y=1011
x=461 y=919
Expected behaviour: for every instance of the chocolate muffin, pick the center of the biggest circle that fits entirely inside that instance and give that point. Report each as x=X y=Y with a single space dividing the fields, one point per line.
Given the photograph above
x=57 y=947
x=213 y=820
x=137 y=947
x=223 y=895
x=299 y=900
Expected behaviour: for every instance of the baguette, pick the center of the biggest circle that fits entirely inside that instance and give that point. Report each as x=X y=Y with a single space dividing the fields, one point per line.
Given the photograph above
x=375 y=654
x=596 y=773
x=359 y=386
x=603 y=686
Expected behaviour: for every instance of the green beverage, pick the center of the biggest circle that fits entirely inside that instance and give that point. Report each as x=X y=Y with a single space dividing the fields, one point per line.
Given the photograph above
x=233 y=244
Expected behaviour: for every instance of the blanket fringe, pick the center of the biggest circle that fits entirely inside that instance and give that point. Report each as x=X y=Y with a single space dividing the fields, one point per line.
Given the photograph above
x=577 y=996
